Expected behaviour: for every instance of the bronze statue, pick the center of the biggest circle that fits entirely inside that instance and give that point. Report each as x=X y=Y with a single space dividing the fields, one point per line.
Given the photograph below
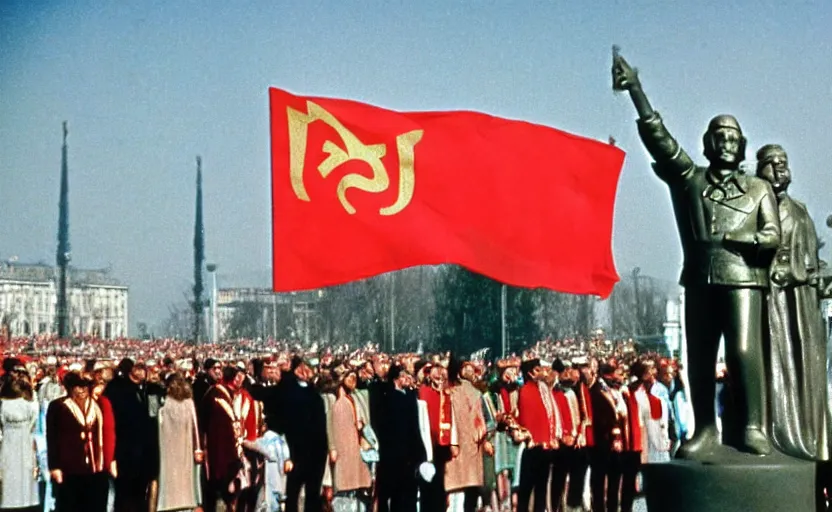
x=797 y=338
x=729 y=229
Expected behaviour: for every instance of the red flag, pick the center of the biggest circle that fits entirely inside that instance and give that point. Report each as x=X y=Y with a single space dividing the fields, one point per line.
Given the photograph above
x=358 y=190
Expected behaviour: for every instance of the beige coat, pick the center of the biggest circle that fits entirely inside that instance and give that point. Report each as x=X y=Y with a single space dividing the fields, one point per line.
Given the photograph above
x=178 y=474
x=467 y=469
x=351 y=472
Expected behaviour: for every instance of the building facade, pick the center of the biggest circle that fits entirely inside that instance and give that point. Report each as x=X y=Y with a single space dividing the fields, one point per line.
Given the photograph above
x=29 y=296
x=269 y=323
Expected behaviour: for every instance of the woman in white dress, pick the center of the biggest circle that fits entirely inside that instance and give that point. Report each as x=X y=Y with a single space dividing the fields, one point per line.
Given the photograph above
x=18 y=458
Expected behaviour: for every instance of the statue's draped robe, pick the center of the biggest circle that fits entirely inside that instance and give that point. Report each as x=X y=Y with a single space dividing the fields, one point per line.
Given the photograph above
x=798 y=343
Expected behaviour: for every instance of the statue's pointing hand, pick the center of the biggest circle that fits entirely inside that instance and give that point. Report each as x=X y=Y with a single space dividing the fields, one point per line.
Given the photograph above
x=624 y=77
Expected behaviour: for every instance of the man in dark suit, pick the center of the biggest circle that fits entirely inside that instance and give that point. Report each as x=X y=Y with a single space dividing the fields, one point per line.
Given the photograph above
x=211 y=374
x=729 y=227
x=137 y=443
x=607 y=430
x=303 y=422
x=400 y=445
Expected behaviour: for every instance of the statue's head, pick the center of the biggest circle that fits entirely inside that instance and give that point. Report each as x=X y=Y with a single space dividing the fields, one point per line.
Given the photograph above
x=773 y=166
x=724 y=142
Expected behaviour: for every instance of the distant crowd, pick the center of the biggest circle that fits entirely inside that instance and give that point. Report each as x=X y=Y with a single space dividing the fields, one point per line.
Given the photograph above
x=268 y=425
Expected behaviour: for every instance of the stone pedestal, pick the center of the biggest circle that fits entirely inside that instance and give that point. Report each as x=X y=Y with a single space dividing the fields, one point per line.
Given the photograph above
x=729 y=481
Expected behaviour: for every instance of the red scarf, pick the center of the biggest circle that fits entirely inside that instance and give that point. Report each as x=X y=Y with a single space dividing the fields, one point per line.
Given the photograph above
x=586 y=401
x=635 y=441
x=439 y=414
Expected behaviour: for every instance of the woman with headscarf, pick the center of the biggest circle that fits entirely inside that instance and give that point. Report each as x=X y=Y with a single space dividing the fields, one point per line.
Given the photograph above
x=351 y=475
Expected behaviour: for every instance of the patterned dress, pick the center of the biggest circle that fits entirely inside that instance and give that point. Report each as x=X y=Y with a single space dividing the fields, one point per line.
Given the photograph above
x=466 y=470
x=505 y=449
x=489 y=412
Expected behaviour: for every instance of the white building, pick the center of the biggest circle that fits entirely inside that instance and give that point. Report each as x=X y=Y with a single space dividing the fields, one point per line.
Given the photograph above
x=229 y=300
x=674 y=324
x=29 y=297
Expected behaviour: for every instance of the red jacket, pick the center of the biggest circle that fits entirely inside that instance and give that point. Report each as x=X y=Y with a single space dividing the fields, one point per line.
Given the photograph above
x=634 y=440
x=75 y=437
x=223 y=452
x=249 y=413
x=567 y=422
x=440 y=415
x=534 y=417
x=109 y=431
x=585 y=401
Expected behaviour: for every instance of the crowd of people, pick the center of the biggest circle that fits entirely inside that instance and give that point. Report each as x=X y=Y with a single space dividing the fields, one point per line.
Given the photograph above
x=261 y=425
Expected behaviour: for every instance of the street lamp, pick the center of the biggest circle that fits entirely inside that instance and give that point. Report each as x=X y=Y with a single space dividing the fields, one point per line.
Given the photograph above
x=636 y=272
x=212 y=269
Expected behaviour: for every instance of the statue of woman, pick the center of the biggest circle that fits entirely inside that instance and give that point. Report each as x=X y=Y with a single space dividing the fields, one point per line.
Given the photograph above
x=797 y=341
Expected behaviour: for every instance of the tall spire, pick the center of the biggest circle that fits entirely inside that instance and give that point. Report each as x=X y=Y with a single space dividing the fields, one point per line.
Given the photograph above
x=199 y=253
x=63 y=243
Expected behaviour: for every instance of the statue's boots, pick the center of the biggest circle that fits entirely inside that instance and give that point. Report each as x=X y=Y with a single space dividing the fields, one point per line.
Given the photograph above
x=703 y=441
x=755 y=441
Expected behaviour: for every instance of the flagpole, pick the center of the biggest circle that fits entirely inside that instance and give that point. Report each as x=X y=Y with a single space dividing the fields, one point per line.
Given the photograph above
x=503 y=307
x=63 y=257
x=392 y=312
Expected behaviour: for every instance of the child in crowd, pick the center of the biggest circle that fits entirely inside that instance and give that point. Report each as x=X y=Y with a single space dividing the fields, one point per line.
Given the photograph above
x=272 y=446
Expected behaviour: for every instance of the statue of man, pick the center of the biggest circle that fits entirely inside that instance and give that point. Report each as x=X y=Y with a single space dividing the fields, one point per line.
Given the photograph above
x=797 y=339
x=729 y=228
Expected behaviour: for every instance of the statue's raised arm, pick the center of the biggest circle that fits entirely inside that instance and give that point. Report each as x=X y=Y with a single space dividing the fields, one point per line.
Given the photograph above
x=671 y=160
x=625 y=78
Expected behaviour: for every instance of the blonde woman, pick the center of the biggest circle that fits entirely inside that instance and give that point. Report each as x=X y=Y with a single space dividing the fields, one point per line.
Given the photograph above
x=179 y=448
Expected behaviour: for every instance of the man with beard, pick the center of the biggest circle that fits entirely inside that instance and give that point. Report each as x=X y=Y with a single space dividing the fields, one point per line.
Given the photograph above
x=304 y=424
x=443 y=433
x=799 y=425
x=137 y=442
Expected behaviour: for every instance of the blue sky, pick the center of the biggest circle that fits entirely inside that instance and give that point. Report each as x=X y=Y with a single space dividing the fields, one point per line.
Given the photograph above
x=146 y=86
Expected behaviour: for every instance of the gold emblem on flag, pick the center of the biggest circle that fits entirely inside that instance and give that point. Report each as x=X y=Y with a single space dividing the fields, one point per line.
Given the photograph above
x=353 y=149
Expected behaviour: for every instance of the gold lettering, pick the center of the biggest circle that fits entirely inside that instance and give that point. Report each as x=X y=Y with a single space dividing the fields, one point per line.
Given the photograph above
x=407 y=179
x=353 y=149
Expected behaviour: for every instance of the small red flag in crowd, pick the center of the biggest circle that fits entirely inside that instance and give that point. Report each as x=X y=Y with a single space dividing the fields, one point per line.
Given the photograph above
x=358 y=190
